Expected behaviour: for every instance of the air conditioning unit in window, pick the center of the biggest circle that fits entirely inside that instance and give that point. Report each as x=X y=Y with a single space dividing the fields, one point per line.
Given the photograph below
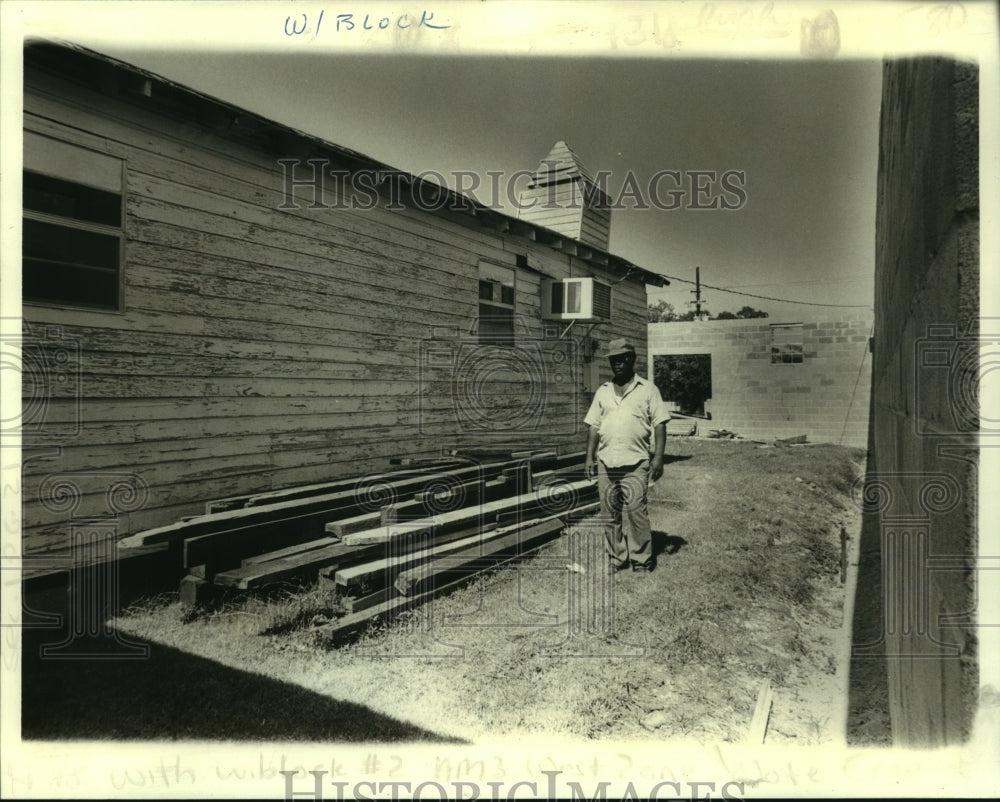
x=585 y=299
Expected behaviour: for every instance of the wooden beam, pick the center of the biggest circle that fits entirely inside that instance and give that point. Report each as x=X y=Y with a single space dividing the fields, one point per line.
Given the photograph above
x=473 y=560
x=356 y=604
x=304 y=491
x=478 y=515
x=461 y=496
x=228 y=548
x=291 y=551
x=356 y=523
x=225 y=504
x=365 y=578
x=327 y=505
x=295 y=567
x=761 y=714
x=345 y=626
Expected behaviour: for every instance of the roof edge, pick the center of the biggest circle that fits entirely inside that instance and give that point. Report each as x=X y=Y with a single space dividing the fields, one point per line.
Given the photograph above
x=455 y=202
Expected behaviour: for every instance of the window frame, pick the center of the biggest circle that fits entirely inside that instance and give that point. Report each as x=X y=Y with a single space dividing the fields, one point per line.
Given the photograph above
x=507 y=338
x=73 y=223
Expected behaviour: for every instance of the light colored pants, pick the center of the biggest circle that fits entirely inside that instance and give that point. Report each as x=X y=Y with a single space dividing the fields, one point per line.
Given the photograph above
x=623 y=495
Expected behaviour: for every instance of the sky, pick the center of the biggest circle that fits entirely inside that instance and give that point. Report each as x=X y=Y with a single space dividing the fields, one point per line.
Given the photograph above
x=803 y=134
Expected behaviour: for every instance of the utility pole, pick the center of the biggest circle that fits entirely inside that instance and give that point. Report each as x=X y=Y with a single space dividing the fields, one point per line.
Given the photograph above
x=697 y=293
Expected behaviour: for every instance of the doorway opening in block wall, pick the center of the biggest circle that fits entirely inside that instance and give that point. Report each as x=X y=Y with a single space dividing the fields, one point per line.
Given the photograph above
x=684 y=380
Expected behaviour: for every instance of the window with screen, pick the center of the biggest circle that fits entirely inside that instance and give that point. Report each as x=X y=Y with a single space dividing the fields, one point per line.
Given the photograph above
x=72 y=225
x=496 y=304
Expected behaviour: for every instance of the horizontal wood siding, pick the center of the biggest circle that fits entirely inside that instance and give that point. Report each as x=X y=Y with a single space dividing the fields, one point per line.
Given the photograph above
x=262 y=348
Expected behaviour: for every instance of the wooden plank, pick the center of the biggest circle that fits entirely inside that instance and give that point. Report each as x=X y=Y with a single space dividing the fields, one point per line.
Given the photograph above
x=356 y=523
x=350 y=623
x=503 y=453
x=365 y=578
x=355 y=604
x=228 y=538
x=518 y=478
x=572 y=473
x=226 y=548
x=334 y=486
x=294 y=567
x=465 y=491
x=225 y=504
x=566 y=489
x=522 y=504
x=297 y=509
x=762 y=712
x=458 y=496
x=290 y=551
x=426 y=462
x=195 y=591
x=406 y=579
x=472 y=560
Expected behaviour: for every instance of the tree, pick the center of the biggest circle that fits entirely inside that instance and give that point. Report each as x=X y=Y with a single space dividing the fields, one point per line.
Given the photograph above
x=744 y=313
x=749 y=312
x=684 y=379
x=660 y=312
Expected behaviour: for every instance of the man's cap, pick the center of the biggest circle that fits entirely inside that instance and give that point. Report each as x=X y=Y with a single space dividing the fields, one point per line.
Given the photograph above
x=619 y=346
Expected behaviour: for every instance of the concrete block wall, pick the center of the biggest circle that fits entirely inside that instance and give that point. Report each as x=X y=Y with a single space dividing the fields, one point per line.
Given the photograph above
x=922 y=483
x=824 y=397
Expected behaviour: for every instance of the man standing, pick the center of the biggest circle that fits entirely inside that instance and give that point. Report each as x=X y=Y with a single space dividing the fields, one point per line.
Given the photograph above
x=626 y=413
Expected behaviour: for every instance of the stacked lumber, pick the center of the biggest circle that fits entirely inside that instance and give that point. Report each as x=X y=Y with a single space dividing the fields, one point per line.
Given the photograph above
x=381 y=541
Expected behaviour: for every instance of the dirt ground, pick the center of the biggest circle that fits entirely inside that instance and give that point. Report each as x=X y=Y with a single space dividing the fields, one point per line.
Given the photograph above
x=748 y=590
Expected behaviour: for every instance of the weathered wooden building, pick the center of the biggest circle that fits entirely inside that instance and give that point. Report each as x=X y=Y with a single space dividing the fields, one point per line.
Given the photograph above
x=216 y=304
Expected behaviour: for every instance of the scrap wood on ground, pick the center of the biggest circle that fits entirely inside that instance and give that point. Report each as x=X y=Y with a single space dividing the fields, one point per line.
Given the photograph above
x=747 y=595
x=442 y=519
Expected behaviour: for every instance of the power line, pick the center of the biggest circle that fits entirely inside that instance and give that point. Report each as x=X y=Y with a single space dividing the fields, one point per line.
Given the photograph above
x=768 y=297
x=811 y=281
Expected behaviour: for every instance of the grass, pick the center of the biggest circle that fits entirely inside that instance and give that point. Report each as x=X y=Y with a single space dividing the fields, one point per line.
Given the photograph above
x=750 y=591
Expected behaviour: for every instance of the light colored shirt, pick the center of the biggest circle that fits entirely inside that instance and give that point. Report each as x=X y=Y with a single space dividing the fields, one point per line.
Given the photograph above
x=625 y=423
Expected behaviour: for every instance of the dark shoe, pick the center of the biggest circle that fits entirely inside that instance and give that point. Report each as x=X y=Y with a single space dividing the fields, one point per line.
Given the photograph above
x=644 y=568
x=615 y=568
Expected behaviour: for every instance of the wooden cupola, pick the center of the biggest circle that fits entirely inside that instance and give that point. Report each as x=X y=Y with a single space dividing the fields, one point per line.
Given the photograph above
x=564 y=197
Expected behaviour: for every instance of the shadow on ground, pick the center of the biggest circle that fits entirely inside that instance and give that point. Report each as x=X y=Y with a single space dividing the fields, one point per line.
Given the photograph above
x=168 y=694
x=868 y=722
x=665 y=544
